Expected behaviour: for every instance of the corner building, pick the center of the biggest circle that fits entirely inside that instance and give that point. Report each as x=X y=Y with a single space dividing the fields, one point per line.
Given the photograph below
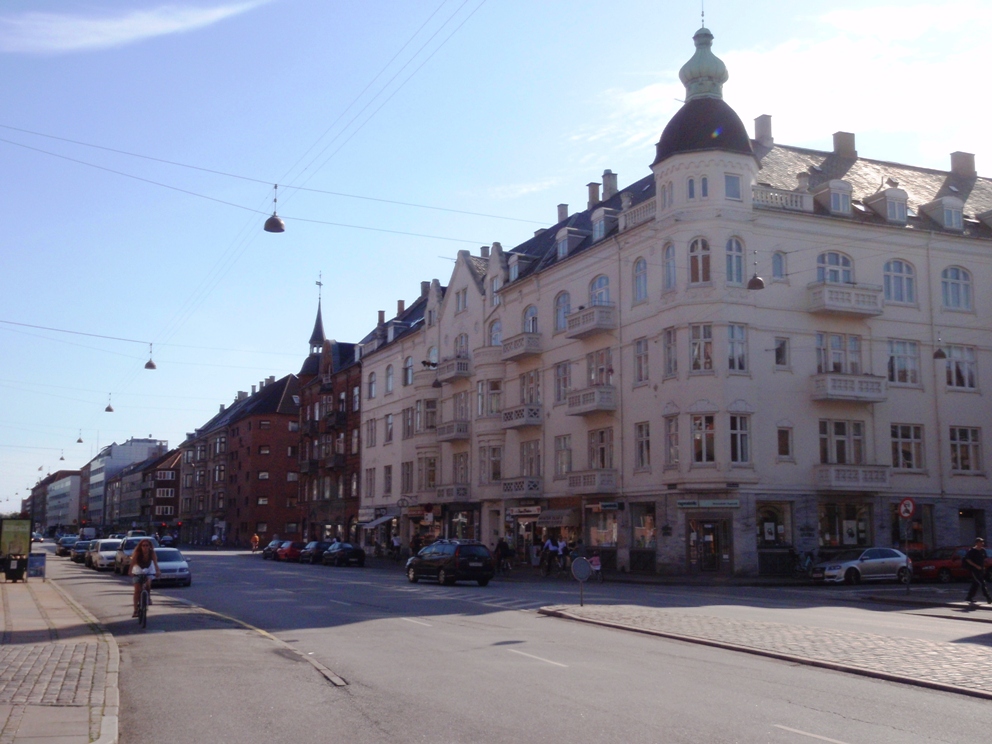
x=753 y=348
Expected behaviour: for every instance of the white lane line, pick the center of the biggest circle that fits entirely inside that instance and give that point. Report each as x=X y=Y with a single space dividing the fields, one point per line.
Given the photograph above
x=416 y=622
x=284 y=591
x=531 y=656
x=338 y=601
x=807 y=733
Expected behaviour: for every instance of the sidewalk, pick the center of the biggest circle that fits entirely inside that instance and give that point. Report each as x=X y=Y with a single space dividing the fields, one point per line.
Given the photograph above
x=58 y=669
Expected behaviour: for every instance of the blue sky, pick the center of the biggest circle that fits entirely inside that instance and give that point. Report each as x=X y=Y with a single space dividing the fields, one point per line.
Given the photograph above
x=496 y=107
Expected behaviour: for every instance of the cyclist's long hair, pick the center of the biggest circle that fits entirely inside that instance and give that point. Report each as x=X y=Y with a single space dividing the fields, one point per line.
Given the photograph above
x=144 y=558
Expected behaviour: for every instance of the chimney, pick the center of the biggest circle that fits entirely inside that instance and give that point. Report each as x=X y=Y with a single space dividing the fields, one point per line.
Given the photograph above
x=241 y=395
x=540 y=230
x=763 y=131
x=844 y=145
x=609 y=184
x=425 y=288
x=484 y=251
x=252 y=389
x=400 y=307
x=382 y=318
x=221 y=408
x=963 y=164
x=270 y=379
x=593 y=194
x=803 y=179
x=562 y=212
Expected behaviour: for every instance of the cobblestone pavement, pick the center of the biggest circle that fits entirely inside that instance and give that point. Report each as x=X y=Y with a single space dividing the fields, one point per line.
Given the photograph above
x=953 y=667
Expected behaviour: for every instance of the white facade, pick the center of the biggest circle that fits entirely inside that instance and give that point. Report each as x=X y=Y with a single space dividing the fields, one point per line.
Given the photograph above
x=62 y=503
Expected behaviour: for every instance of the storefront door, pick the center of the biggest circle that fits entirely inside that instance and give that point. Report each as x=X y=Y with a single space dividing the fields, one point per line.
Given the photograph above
x=709 y=545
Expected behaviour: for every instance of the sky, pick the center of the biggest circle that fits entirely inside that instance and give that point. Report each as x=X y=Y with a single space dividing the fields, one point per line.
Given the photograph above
x=140 y=143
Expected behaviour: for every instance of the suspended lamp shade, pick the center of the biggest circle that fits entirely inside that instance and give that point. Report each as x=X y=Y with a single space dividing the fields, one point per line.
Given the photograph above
x=755 y=282
x=80 y=440
x=150 y=364
x=275 y=224
x=109 y=408
x=940 y=354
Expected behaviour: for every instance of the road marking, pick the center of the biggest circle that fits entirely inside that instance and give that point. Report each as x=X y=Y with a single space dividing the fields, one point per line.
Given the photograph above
x=807 y=733
x=285 y=591
x=417 y=622
x=531 y=656
x=338 y=601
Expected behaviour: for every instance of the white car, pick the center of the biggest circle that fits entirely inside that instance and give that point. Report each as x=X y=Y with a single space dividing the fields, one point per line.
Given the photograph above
x=174 y=568
x=102 y=554
x=865 y=564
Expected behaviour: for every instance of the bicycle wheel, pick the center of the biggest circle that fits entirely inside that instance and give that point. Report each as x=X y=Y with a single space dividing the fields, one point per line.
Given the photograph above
x=143 y=609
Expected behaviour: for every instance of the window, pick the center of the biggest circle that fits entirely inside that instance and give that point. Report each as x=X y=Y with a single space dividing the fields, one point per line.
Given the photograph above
x=432 y=353
x=290 y=426
x=966 y=453
x=459 y=468
x=601 y=449
x=263 y=501
x=495 y=333
x=952 y=219
x=962 y=370
x=834 y=268
x=406 y=477
x=599 y=365
x=426 y=473
x=562 y=309
x=699 y=261
x=165 y=475
x=496 y=283
x=955 y=284
x=263 y=424
x=530 y=388
x=784 y=443
x=737 y=348
x=599 y=290
x=461 y=300
x=703 y=439
x=263 y=474
x=371 y=385
x=670 y=352
x=562 y=248
x=370 y=433
x=640 y=280
x=530 y=458
x=904 y=362
x=220 y=445
x=430 y=415
x=354 y=485
x=896 y=210
x=489 y=397
x=671 y=441
x=165 y=493
x=356 y=398
x=408 y=371
x=263 y=449
x=690 y=189
x=782 y=353
x=842 y=442
x=389 y=379
x=530 y=319
x=598 y=230
x=563 y=381
x=164 y=511
x=431 y=317
x=354 y=441
x=700 y=347
x=840 y=202
x=837 y=352
x=668 y=258
x=387 y=480
x=461 y=346
x=408 y=429
x=642 y=446
x=907 y=446
x=704 y=187
x=515 y=270
x=900 y=282
x=778 y=266
x=732 y=187
x=640 y=360
x=370 y=482
x=220 y=473
x=563 y=456
x=740 y=440
x=292 y=477
x=735 y=261
x=490 y=464
x=387 y=435
x=460 y=404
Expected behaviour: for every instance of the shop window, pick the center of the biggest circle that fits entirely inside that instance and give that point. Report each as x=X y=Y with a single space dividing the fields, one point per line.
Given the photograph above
x=602 y=526
x=845 y=525
x=774 y=525
x=644 y=531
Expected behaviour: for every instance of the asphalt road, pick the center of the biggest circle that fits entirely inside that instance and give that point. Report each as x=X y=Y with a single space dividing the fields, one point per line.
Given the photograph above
x=469 y=664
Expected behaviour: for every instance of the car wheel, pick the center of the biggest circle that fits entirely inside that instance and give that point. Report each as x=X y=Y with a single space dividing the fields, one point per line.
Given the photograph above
x=442 y=577
x=944 y=576
x=852 y=576
x=904 y=575
x=411 y=575
x=483 y=582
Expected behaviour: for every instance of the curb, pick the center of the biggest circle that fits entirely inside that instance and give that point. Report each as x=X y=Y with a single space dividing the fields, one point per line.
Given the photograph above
x=861 y=671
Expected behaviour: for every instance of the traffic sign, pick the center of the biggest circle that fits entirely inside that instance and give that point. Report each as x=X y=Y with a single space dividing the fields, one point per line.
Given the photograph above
x=907 y=508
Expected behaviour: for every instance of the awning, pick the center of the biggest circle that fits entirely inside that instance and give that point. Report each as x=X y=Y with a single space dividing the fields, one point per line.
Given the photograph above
x=377 y=522
x=558 y=518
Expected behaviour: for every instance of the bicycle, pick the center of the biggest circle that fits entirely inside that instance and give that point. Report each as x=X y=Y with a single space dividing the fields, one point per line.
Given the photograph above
x=802 y=566
x=552 y=564
x=143 y=601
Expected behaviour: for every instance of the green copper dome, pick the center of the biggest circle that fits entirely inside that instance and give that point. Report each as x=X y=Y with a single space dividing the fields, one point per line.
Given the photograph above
x=704 y=75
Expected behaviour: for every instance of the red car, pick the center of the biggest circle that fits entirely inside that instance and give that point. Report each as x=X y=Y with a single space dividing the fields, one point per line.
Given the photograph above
x=947 y=564
x=290 y=551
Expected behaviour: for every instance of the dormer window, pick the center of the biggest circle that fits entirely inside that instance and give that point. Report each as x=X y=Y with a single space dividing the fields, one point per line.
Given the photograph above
x=568 y=239
x=896 y=210
x=890 y=204
x=562 y=248
x=840 y=202
x=603 y=220
x=598 y=230
x=514 y=272
x=835 y=197
x=953 y=219
x=947 y=211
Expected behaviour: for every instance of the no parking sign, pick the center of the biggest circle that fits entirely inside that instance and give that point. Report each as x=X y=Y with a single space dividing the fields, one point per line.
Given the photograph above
x=907 y=508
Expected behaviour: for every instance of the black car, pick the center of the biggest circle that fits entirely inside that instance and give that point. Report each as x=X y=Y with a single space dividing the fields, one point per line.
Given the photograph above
x=77 y=553
x=269 y=551
x=344 y=554
x=313 y=551
x=449 y=561
x=64 y=545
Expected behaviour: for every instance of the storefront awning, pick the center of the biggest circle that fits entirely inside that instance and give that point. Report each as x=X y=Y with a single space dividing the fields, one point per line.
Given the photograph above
x=377 y=522
x=558 y=518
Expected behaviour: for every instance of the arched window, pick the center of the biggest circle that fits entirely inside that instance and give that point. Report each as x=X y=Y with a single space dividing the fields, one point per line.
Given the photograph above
x=704 y=187
x=835 y=268
x=599 y=290
x=699 y=261
x=955 y=283
x=735 y=261
x=530 y=319
x=562 y=309
x=461 y=346
x=408 y=371
x=371 y=392
x=640 y=280
x=495 y=333
x=690 y=189
x=671 y=193
x=432 y=355
x=389 y=378
x=778 y=265
x=669 y=259
x=900 y=282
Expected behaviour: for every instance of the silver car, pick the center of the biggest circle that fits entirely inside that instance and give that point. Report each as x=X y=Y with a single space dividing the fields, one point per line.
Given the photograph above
x=102 y=554
x=174 y=568
x=865 y=564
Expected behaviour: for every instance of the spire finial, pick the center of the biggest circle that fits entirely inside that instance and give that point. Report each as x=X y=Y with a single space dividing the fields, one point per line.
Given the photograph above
x=320 y=285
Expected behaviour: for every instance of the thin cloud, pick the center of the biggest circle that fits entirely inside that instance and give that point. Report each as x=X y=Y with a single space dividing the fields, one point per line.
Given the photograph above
x=58 y=33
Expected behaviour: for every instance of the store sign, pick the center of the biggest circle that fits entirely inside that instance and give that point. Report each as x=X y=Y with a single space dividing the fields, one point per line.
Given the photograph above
x=523 y=511
x=609 y=506
x=366 y=514
x=708 y=503
x=415 y=512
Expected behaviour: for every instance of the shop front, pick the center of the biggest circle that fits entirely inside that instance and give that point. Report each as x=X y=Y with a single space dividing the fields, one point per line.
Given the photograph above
x=425 y=528
x=776 y=539
x=643 y=537
x=461 y=521
x=522 y=530
x=844 y=522
x=602 y=531
x=380 y=530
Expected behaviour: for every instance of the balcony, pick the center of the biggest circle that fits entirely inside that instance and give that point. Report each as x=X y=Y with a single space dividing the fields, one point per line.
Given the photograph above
x=524 y=486
x=327 y=383
x=638 y=214
x=592 y=400
x=335 y=461
x=857 y=388
x=864 y=300
x=308 y=466
x=851 y=477
x=454 y=369
x=334 y=420
x=531 y=414
x=521 y=346
x=311 y=428
x=452 y=431
x=591 y=320
x=452 y=493
x=793 y=201
x=585 y=482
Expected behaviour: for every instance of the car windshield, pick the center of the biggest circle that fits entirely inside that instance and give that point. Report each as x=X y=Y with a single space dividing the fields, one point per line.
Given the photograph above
x=110 y=544
x=168 y=555
x=847 y=555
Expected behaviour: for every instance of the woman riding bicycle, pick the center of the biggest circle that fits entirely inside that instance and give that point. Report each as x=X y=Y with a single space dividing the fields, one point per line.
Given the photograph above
x=143 y=559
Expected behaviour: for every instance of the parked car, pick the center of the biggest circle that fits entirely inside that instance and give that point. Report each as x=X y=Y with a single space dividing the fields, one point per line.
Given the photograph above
x=122 y=558
x=77 y=553
x=449 y=561
x=865 y=564
x=343 y=554
x=174 y=567
x=290 y=551
x=101 y=554
x=313 y=551
x=947 y=564
x=116 y=536
x=37 y=537
x=64 y=545
x=269 y=551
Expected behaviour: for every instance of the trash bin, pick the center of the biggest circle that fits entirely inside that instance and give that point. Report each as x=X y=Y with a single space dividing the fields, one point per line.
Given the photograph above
x=14 y=567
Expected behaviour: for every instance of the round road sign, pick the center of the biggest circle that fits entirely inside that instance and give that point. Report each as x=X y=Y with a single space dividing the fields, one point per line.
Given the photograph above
x=907 y=508
x=581 y=569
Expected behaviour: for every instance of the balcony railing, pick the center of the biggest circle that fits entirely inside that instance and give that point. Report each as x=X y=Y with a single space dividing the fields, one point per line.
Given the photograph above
x=592 y=400
x=452 y=431
x=452 y=493
x=591 y=320
x=525 y=485
x=335 y=420
x=531 y=414
x=845 y=299
x=592 y=481
x=769 y=198
x=308 y=466
x=311 y=428
x=851 y=477
x=521 y=346
x=858 y=388
x=333 y=461
x=636 y=215
x=454 y=369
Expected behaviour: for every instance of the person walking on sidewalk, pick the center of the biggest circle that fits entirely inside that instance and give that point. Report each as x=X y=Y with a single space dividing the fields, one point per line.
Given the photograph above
x=974 y=559
x=142 y=559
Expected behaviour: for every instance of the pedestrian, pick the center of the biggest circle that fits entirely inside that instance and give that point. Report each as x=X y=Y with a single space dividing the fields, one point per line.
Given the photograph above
x=502 y=555
x=974 y=559
x=254 y=542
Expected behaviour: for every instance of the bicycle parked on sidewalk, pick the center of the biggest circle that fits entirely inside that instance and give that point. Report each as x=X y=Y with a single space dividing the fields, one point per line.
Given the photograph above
x=802 y=564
